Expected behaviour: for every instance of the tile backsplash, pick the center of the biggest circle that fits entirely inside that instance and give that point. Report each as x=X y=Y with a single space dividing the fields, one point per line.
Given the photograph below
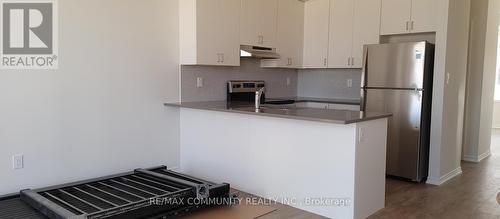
x=319 y=83
x=215 y=79
x=329 y=83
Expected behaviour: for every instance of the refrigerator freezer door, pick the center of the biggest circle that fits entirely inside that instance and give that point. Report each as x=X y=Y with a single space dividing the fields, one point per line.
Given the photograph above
x=403 y=134
x=398 y=65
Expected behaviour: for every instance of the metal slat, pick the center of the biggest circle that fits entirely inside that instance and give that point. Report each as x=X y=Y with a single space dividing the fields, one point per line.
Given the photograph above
x=81 y=200
x=36 y=201
x=157 y=183
x=201 y=190
x=96 y=197
x=107 y=193
x=66 y=203
x=133 y=187
x=121 y=190
x=183 y=176
x=142 y=184
x=167 y=177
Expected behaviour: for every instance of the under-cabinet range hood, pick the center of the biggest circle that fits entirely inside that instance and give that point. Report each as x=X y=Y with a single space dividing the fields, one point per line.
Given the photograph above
x=258 y=52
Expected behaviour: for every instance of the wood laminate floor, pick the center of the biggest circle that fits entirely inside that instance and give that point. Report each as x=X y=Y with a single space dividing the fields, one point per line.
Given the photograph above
x=472 y=195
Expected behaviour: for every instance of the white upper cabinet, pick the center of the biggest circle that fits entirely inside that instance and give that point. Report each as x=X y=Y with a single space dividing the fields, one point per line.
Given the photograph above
x=316 y=26
x=353 y=24
x=209 y=32
x=258 y=22
x=366 y=28
x=395 y=17
x=424 y=16
x=230 y=32
x=341 y=32
x=408 y=16
x=290 y=35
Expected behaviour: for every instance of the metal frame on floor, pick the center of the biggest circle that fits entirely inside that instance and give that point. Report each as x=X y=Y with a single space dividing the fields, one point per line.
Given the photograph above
x=138 y=194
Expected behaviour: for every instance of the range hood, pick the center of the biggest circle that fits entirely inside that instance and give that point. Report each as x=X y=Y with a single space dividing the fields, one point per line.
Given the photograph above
x=258 y=52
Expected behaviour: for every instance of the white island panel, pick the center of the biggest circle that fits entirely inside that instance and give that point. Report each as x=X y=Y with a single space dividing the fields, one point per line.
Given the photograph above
x=291 y=161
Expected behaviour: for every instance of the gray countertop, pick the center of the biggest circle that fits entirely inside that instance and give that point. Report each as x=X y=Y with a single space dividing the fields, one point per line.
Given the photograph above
x=285 y=111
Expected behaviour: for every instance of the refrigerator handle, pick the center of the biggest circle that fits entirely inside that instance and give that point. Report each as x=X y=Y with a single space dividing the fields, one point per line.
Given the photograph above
x=362 y=103
x=364 y=71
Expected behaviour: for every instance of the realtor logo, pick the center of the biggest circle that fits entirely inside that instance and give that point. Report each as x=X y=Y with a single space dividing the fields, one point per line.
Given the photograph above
x=29 y=34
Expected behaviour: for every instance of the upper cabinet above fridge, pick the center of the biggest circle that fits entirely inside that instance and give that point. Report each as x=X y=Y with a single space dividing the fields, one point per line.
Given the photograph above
x=408 y=16
x=258 y=23
x=353 y=24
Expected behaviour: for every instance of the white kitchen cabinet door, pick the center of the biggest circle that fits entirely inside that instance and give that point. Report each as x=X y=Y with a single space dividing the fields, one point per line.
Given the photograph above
x=290 y=33
x=229 y=39
x=424 y=16
x=209 y=32
x=396 y=16
x=258 y=22
x=341 y=33
x=316 y=25
x=366 y=28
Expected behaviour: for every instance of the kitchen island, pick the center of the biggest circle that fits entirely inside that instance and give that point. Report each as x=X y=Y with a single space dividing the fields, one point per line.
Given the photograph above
x=329 y=162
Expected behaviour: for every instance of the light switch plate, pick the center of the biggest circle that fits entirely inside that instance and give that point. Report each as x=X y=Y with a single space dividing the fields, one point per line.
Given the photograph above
x=17 y=161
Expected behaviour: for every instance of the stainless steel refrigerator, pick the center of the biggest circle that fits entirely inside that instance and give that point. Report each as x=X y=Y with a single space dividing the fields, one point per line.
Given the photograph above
x=397 y=78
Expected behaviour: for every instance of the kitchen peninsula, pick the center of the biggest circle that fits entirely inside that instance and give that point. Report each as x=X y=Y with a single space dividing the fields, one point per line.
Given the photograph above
x=330 y=162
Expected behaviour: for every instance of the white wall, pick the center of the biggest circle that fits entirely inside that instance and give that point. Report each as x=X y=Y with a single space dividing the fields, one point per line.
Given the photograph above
x=481 y=79
x=102 y=111
x=496 y=115
x=489 y=76
x=449 y=95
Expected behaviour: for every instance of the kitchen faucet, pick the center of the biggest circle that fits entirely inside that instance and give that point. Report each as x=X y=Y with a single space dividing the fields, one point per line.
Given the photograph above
x=258 y=95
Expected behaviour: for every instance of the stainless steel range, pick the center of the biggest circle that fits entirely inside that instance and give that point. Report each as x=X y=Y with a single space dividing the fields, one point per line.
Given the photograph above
x=252 y=92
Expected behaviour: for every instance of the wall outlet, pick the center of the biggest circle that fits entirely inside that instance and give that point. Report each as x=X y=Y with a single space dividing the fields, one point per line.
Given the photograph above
x=199 y=82
x=288 y=81
x=17 y=161
x=361 y=134
x=349 y=82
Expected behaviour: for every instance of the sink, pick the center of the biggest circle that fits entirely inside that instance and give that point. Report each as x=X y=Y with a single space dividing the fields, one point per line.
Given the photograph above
x=265 y=109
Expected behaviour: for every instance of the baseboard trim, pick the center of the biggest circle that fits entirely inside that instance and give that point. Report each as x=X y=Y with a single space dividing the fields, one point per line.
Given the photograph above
x=476 y=159
x=445 y=178
x=176 y=169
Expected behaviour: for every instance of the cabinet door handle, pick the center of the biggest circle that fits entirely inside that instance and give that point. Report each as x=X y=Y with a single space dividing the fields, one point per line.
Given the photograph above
x=407 y=25
x=411 y=25
x=325 y=61
x=352 y=61
x=218 y=57
x=291 y=61
x=222 y=57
